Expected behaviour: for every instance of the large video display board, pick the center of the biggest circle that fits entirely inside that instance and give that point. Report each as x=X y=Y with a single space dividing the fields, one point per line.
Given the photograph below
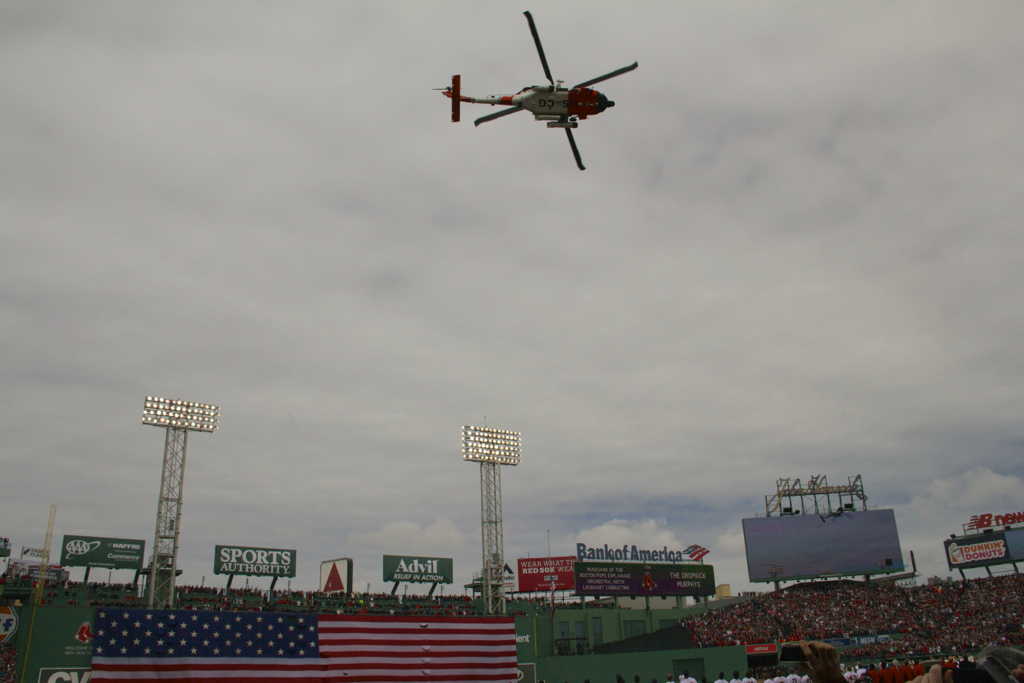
x=639 y=578
x=808 y=546
x=982 y=550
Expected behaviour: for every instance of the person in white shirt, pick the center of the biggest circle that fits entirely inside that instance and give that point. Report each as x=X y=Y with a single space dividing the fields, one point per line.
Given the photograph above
x=793 y=676
x=721 y=678
x=687 y=678
x=735 y=677
x=749 y=677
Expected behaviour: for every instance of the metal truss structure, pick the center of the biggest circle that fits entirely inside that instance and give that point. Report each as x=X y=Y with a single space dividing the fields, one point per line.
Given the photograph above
x=815 y=498
x=168 y=519
x=492 y=448
x=492 y=577
x=179 y=418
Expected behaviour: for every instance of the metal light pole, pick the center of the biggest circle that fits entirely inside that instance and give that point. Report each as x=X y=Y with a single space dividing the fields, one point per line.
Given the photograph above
x=491 y=448
x=179 y=418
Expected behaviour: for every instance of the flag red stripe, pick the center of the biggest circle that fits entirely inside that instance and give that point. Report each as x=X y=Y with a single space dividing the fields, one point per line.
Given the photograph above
x=392 y=650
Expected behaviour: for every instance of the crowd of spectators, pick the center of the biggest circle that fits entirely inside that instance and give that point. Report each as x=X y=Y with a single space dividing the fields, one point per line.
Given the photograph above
x=76 y=594
x=8 y=658
x=949 y=617
x=72 y=594
x=204 y=598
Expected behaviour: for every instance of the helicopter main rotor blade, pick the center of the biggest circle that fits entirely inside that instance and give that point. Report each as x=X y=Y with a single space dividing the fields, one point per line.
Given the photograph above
x=540 y=50
x=575 y=152
x=617 y=72
x=497 y=115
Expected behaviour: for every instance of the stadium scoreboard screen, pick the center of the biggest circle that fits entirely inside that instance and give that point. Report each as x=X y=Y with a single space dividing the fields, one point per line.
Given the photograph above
x=851 y=543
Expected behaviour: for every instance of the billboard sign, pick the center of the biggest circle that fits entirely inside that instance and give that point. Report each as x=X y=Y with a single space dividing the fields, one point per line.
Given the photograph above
x=762 y=649
x=629 y=553
x=108 y=553
x=415 y=569
x=838 y=642
x=845 y=543
x=29 y=569
x=511 y=585
x=336 y=576
x=536 y=573
x=234 y=559
x=984 y=549
x=870 y=640
x=988 y=520
x=634 y=579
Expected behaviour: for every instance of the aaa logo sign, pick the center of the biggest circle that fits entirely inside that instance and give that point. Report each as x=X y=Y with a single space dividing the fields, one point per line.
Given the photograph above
x=8 y=624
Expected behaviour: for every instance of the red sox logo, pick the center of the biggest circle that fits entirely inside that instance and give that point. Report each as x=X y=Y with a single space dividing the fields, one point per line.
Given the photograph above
x=84 y=634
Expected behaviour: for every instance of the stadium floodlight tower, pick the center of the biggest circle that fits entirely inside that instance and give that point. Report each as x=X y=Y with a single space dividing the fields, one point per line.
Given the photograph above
x=179 y=418
x=492 y=448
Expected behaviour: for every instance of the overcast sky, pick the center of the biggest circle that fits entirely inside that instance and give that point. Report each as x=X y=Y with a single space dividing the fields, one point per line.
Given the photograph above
x=796 y=250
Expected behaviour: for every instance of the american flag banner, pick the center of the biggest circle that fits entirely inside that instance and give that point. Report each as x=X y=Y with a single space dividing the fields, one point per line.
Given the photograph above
x=402 y=649
x=214 y=646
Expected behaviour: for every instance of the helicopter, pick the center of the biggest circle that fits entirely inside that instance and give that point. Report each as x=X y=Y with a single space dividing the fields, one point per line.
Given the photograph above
x=836 y=515
x=559 y=106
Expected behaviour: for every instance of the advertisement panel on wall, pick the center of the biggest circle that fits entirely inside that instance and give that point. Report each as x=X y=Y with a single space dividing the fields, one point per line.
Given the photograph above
x=790 y=547
x=29 y=569
x=336 y=576
x=416 y=569
x=985 y=549
x=59 y=645
x=536 y=573
x=8 y=624
x=108 y=553
x=234 y=559
x=620 y=578
x=511 y=584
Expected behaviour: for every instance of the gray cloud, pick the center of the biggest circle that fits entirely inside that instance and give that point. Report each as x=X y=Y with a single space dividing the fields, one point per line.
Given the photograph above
x=795 y=251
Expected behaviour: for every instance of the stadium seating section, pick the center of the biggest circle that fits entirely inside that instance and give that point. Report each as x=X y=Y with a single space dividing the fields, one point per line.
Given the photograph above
x=959 y=616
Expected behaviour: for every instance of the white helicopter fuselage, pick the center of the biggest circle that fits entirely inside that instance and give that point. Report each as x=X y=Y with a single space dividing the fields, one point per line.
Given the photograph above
x=550 y=103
